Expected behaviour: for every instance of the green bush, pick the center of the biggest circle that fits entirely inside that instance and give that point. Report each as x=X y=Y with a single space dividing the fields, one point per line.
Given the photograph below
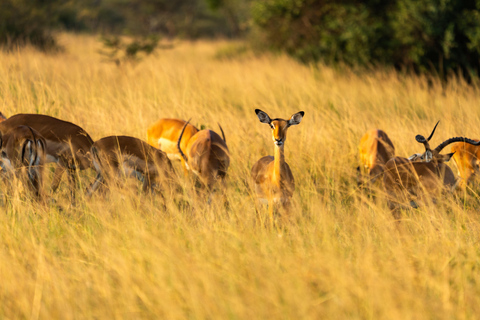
x=27 y=21
x=443 y=35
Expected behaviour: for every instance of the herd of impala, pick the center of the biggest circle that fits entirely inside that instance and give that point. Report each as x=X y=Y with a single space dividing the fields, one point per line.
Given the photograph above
x=409 y=182
x=29 y=141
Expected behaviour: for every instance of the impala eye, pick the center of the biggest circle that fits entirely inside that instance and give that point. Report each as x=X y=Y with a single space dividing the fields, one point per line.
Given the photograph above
x=272 y=126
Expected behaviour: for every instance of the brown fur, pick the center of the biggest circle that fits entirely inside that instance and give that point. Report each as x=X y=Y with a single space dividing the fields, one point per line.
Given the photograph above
x=23 y=153
x=208 y=157
x=466 y=158
x=169 y=130
x=375 y=150
x=412 y=182
x=272 y=177
x=67 y=144
x=122 y=154
x=265 y=188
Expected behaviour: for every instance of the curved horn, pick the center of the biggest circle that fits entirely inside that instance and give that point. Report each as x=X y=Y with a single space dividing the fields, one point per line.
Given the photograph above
x=431 y=134
x=180 y=139
x=456 y=139
x=421 y=139
x=223 y=133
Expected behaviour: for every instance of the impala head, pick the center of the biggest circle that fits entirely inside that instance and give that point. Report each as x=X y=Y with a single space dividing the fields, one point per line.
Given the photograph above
x=279 y=126
x=434 y=154
x=427 y=156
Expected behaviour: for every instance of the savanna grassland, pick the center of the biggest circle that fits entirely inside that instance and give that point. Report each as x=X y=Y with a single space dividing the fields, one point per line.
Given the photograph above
x=339 y=254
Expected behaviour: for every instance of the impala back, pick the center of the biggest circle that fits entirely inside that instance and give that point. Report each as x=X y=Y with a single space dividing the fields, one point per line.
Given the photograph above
x=66 y=141
x=411 y=182
x=164 y=135
x=208 y=157
x=133 y=157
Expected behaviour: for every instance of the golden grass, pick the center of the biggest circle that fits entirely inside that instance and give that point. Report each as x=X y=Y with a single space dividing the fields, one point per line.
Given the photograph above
x=123 y=256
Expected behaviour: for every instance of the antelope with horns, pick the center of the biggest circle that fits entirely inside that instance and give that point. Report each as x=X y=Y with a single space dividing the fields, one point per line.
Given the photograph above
x=164 y=135
x=68 y=145
x=420 y=177
x=132 y=157
x=375 y=150
x=22 y=153
x=206 y=155
x=272 y=177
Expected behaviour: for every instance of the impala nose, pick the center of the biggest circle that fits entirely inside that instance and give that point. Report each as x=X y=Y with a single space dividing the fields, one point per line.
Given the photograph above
x=278 y=142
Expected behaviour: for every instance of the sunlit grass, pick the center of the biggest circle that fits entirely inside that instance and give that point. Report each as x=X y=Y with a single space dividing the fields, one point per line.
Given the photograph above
x=339 y=255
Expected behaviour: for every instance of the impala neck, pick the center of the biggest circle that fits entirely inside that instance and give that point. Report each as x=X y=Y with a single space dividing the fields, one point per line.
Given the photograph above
x=278 y=164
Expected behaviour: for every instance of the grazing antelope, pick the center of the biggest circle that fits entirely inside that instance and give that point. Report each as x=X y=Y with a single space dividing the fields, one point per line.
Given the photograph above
x=206 y=155
x=421 y=176
x=375 y=150
x=23 y=149
x=68 y=145
x=466 y=158
x=164 y=135
x=116 y=155
x=272 y=177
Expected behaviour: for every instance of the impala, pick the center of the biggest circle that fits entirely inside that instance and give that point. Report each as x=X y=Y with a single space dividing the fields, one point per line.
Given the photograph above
x=466 y=158
x=22 y=153
x=421 y=176
x=164 y=135
x=375 y=150
x=68 y=145
x=272 y=177
x=206 y=155
x=123 y=155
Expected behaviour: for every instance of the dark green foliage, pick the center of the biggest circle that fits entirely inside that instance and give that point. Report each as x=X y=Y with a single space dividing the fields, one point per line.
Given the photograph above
x=26 y=21
x=118 y=51
x=179 y=18
x=32 y=21
x=236 y=12
x=430 y=35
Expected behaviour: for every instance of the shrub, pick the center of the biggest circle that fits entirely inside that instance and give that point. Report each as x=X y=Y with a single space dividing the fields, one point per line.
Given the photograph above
x=23 y=21
x=443 y=35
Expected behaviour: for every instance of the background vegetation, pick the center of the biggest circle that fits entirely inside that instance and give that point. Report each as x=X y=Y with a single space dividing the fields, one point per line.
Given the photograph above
x=440 y=37
x=339 y=255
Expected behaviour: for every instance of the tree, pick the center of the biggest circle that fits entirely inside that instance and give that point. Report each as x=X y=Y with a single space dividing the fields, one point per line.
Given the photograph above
x=443 y=35
x=24 y=21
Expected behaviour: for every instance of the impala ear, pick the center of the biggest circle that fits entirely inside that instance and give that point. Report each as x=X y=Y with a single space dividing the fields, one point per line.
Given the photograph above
x=447 y=157
x=262 y=116
x=414 y=156
x=296 y=118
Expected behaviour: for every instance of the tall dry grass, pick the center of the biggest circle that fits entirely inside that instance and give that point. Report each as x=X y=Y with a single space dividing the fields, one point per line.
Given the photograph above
x=341 y=255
